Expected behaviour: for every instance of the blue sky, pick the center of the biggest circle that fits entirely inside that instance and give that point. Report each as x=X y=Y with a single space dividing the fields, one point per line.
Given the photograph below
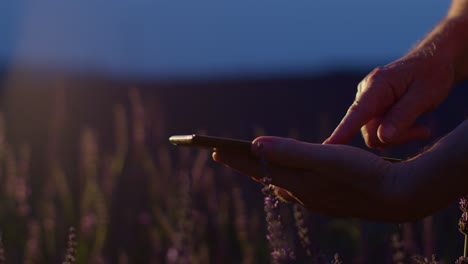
x=166 y=38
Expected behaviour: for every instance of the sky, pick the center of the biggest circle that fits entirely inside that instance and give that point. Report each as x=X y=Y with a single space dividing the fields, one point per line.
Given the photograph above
x=172 y=39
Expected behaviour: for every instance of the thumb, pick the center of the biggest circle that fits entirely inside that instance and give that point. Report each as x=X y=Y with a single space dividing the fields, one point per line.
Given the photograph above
x=401 y=117
x=293 y=153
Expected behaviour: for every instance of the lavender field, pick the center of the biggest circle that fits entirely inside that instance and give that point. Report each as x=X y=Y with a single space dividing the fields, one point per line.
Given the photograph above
x=88 y=176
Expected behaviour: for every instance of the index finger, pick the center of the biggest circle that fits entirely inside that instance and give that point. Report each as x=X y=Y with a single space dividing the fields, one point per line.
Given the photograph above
x=365 y=107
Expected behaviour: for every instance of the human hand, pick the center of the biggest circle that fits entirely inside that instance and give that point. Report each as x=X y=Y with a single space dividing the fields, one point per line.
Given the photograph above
x=392 y=97
x=335 y=180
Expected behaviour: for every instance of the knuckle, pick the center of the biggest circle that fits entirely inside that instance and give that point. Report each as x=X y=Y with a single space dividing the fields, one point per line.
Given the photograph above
x=378 y=70
x=361 y=107
x=379 y=73
x=375 y=75
x=353 y=106
x=357 y=108
x=360 y=88
x=382 y=83
x=384 y=74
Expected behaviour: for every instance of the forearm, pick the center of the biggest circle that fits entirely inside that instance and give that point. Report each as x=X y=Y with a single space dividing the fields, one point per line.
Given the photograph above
x=448 y=41
x=457 y=37
x=458 y=13
x=439 y=176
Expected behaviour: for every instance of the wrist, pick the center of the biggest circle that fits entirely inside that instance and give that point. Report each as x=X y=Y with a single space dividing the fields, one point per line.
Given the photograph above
x=456 y=31
x=442 y=168
x=447 y=46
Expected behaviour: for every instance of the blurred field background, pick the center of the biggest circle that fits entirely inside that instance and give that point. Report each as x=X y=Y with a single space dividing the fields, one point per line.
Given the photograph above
x=93 y=153
x=90 y=93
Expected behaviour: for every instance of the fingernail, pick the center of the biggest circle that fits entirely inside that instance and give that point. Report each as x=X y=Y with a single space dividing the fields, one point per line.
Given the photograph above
x=388 y=132
x=260 y=147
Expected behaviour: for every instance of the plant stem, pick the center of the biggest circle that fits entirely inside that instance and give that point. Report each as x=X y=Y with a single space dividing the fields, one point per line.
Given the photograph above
x=465 y=249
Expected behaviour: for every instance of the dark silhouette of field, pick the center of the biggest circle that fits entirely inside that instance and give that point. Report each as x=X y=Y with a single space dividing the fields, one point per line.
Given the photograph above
x=312 y=105
x=49 y=111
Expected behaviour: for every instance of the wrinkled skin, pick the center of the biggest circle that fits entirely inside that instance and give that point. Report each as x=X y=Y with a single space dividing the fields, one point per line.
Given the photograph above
x=391 y=98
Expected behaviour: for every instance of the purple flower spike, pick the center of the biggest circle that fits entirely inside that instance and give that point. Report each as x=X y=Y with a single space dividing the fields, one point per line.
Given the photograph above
x=464 y=204
x=463 y=227
x=280 y=252
x=462 y=260
x=463 y=223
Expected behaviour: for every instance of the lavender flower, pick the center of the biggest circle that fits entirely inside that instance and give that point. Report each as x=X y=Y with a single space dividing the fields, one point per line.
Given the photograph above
x=241 y=224
x=280 y=252
x=428 y=236
x=398 y=253
x=336 y=259
x=71 y=247
x=463 y=223
x=462 y=260
x=180 y=251
x=32 y=244
x=302 y=229
x=2 y=250
x=464 y=203
x=422 y=260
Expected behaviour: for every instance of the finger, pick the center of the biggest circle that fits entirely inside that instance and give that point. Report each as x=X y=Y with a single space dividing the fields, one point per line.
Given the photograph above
x=292 y=153
x=336 y=162
x=402 y=116
x=372 y=140
x=369 y=134
x=416 y=132
x=369 y=104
